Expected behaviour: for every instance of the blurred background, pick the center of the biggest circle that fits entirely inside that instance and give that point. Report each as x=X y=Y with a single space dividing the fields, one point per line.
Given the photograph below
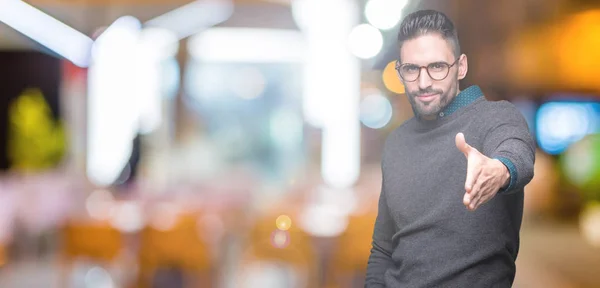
x=155 y=143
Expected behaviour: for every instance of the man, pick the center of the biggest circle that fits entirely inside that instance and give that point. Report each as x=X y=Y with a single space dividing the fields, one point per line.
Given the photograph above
x=451 y=204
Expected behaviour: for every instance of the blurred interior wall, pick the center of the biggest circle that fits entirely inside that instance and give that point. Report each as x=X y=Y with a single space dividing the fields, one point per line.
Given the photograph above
x=21 y=70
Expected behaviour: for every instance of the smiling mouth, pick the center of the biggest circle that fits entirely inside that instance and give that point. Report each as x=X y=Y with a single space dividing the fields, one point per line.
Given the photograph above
x=427 y=97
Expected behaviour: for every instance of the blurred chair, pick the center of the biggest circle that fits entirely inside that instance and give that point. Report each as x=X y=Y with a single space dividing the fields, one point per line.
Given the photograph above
x=97 y=242
x=273 y=255
x=348 y=265
x=178 y=247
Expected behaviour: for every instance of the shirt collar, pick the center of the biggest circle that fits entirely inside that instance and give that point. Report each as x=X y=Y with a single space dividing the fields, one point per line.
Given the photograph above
x=463 y=99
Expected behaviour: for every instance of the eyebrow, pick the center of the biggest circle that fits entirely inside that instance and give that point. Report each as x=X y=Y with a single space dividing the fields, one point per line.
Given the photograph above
x=436 y=62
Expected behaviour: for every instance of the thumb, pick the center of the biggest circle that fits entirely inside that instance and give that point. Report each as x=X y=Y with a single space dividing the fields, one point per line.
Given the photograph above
x=462 y=145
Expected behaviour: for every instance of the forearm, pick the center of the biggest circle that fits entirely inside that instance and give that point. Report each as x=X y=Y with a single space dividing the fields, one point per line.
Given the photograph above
x=511 y=143
x=518 y=157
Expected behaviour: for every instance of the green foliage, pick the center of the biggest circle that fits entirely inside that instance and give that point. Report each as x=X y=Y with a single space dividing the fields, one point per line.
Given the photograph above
x=36 y=141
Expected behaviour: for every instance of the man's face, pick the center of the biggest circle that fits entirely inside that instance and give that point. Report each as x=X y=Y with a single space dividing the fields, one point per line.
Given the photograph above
x=429 y=96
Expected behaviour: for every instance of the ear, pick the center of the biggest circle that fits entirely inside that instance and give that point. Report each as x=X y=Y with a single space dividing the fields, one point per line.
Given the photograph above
x=463 y=67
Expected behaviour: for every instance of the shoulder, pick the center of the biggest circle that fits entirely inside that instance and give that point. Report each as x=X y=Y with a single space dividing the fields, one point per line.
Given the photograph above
x=501 y=111
x=501 y=107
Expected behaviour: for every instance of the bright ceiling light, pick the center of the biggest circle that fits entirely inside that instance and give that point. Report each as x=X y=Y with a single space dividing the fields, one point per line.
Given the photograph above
x=194 y=17
x=160 y=43
x=46 y=30
x=248 y=45
x=113 y=114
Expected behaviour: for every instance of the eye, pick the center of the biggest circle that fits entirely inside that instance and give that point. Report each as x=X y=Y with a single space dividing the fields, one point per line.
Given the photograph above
x=437 y=66
x=410 y=69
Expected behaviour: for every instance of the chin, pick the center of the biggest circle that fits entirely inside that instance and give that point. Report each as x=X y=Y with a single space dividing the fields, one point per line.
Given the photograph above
x=427 y=112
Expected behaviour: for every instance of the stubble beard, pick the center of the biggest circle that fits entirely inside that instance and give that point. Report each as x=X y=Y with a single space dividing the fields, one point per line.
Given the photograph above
x=428 y=110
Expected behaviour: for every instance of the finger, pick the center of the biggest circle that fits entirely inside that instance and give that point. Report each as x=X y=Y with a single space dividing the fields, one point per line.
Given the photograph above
x=475 y=203
x=467 y=199
x=486 y=195
x=470 y=199
x=476 y=192
x=462 y=145
x=473 y=171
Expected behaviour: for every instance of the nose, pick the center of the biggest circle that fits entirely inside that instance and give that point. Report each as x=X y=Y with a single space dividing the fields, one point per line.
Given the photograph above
x=424 y=80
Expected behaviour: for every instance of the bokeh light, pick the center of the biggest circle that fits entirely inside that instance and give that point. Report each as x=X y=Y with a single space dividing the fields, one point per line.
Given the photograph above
x=323 y=220
x=391 y=80
x=559 y=124
x=280 y=239
x=283 y=222
x=165 y=216
x=100 y=204
x=365 y=41
x=128 y=217
x=577 y=50
x=375 y=111
x=384 y=14
x=581 y=164
x=590 y=223
x=97 y=277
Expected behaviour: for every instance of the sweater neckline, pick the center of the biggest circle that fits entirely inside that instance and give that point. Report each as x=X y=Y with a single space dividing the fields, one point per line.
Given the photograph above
x=425 y=125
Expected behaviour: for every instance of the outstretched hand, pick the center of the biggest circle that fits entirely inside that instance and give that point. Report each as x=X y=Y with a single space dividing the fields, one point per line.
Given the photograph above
x=485 y=176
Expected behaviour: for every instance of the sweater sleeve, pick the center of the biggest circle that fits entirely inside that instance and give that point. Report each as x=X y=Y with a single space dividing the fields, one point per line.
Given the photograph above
x=510 y=141
x=380 y=259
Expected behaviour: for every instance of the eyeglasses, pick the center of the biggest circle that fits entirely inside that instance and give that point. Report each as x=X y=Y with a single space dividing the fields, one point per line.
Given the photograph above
x=437 y=71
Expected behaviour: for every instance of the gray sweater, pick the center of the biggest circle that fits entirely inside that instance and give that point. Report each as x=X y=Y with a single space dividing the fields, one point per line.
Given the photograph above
x=424 y=236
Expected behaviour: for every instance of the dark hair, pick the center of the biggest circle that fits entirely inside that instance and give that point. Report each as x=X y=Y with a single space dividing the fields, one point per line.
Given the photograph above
x=429 y=21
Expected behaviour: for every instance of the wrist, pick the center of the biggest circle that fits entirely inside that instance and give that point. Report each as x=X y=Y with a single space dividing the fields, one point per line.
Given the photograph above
x=503 y=172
